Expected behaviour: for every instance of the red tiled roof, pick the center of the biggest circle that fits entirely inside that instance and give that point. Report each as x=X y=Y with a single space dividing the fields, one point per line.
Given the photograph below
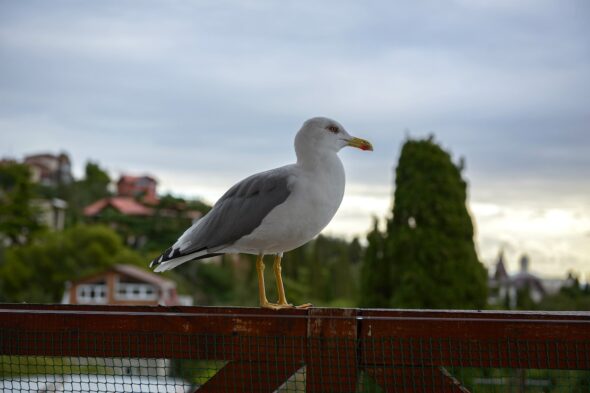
x=144 y=276
x=124 y=205
x=132 y=271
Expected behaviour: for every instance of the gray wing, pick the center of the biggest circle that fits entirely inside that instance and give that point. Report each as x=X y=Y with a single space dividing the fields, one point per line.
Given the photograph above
x=236 y=214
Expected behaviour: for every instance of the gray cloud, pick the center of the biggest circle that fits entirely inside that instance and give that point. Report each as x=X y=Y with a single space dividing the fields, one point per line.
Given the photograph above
x=216 y=90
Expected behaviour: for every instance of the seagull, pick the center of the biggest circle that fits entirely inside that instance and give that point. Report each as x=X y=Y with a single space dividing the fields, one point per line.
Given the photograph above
x=272 y=212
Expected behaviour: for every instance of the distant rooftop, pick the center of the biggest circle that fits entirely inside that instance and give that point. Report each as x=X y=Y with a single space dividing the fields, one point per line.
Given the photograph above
x=124 y=205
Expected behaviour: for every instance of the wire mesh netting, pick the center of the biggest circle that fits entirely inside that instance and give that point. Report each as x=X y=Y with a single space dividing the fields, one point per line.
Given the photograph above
x=269 y=354
x=275 y=363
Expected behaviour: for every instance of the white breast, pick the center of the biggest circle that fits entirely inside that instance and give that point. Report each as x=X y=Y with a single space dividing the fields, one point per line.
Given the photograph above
x=314 y=199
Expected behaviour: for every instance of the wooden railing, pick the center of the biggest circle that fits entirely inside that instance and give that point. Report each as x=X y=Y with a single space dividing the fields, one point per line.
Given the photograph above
x=399 y=350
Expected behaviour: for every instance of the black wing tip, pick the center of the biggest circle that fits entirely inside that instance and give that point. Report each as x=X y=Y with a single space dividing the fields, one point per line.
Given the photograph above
x=167 y=255
x=155 y=262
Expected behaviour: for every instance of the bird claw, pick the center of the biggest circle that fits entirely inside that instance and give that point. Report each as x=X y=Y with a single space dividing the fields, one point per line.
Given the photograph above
x=275 y=306
x=283 y=306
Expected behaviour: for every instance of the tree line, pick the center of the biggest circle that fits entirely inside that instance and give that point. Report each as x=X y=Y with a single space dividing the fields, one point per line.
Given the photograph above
x=425 y=257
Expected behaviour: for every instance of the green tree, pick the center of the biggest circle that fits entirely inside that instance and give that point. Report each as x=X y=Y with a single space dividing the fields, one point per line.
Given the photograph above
x=170 y=219
x=376 y=290
x=81 y=193
x=320 y=272
x=428 y=254
x=96 y=181
x=571 y=297
x=38 y=272
x=19 y=219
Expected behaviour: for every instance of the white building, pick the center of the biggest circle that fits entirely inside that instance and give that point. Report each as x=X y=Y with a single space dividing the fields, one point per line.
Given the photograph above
x=504 y=288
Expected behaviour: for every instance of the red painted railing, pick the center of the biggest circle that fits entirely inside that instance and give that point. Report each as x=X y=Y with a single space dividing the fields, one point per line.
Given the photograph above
x=399 y=350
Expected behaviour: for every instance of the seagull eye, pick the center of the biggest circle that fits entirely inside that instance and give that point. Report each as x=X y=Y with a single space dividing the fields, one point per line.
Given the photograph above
x=333 y=129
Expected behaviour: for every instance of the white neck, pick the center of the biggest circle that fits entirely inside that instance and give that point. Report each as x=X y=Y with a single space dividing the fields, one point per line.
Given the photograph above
x=311 y=154
x=317 y=158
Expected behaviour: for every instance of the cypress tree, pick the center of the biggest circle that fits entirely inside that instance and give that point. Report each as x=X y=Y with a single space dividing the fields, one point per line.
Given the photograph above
x=427 y=255
x=431 y=233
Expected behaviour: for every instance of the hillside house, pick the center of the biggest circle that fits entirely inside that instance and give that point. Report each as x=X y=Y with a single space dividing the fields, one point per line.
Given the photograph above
x=124 y=285
x=49 y=169
x=138 y=187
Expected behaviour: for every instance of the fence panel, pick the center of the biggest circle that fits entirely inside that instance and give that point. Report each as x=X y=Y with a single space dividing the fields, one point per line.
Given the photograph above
x=216 y=349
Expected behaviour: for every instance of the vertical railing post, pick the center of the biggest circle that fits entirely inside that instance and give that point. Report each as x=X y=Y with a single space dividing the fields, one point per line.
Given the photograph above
x=332 y=350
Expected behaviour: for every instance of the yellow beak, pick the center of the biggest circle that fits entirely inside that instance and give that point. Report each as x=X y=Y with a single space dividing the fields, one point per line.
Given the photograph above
x=360 y=143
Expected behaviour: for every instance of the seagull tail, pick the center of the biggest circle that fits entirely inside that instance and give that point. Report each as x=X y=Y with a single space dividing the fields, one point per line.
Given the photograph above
x=172 y=263
x=171 y=258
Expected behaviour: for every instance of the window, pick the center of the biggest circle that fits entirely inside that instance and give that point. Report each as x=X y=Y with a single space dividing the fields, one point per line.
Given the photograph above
x=91 y=293
x=135 y=291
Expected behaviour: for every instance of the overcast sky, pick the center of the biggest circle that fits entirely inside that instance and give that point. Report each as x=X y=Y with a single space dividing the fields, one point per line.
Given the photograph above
x=202 y=94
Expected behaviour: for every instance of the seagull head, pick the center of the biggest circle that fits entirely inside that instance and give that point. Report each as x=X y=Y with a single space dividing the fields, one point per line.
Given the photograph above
x=321 y=133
